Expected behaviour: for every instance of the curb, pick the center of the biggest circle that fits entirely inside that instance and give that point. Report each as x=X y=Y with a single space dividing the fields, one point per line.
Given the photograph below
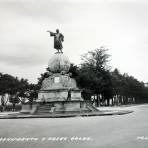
x=99 y=113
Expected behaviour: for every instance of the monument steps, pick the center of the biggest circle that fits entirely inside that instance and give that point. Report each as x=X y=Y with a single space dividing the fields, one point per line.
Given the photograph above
x=50 y=108
x=91 y=107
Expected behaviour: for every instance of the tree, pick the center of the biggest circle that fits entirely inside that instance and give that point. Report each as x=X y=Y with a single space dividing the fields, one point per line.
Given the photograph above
x=15 y=89
x=7 y=86
x=128 y=89
x=74 y=70
x=96 y=59
x=42 y=77
x=94 y=74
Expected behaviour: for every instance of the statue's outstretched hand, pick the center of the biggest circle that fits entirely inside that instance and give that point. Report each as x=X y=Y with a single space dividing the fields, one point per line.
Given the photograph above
x=51 y=33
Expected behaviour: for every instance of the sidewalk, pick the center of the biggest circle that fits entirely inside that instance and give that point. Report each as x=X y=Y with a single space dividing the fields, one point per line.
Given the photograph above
x=7 y=113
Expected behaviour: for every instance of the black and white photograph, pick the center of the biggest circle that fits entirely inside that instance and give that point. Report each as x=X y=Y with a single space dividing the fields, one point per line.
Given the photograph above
x=73 y=74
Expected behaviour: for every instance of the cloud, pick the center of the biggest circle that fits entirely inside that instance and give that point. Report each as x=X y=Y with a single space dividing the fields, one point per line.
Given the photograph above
x=16 y=60
x=27 y=56
x=120 y=25
x=38 y=10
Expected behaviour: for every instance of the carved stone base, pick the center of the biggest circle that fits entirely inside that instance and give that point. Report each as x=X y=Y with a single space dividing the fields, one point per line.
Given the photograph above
x=63 y=107
x=26 y=108
x=59 y=95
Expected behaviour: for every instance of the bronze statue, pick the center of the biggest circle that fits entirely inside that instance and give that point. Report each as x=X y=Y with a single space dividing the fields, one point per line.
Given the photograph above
x=58 y=39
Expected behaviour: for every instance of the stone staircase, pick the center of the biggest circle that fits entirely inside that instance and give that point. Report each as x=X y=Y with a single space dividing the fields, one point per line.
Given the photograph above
x=49 y=108
x=91 y=107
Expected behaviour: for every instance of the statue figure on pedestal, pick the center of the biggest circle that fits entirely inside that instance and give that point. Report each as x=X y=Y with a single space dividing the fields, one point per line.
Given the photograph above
x=58 y=39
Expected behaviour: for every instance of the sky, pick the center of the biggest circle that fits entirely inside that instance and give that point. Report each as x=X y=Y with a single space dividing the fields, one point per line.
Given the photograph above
x=119 y=25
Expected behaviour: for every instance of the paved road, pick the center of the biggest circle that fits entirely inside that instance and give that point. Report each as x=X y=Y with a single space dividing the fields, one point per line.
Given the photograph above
x=120 y=131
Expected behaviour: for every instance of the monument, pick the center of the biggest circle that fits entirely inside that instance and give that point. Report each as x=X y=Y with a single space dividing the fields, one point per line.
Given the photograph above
x=59 y=92
x=59 y=95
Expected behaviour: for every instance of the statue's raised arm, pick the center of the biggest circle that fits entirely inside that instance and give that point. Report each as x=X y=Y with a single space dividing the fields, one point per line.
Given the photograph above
x=58 y=39
x=51 y=33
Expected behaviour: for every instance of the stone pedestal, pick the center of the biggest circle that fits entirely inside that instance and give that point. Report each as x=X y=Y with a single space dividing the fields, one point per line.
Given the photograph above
x=26 y=108
x=59 y=95
x=59 y=92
